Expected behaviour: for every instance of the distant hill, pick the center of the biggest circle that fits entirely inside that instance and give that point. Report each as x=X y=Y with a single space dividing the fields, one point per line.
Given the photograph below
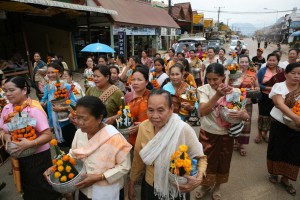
x=245 y=28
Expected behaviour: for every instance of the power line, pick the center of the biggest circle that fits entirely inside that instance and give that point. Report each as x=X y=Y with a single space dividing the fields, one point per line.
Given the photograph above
x=247 y=12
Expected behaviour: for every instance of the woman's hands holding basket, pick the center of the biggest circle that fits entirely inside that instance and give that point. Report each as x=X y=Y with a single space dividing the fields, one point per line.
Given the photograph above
x=192 y=183
x=187 y=106
x=89 y=179
x=241 y=114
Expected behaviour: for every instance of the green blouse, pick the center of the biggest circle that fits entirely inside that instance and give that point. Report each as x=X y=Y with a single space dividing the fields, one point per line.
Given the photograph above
x=113 y=102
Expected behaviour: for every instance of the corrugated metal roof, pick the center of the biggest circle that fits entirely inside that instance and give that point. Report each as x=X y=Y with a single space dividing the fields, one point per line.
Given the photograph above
x=69 y=6
x=134 y=12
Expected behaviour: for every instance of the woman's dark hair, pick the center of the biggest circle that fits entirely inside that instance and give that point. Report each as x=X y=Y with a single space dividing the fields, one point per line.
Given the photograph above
x=222 y=50
x=178 y=65
x=243 y=56
x=273 y=54
x=20 y=82
x=94 y=106
x=157 y=54
x=69 y=72
x=136 y=59
x=121 y=58
x=103 y=57
x=162 y=62
x=291 y=66
x=56 y=66
x=173 y=50
x=214 y=50
x=186 y=45
x=145 y=51
x=37 y=53
x=192 y=50
x=105 y=71
x=143 y=70
x=293 y=50
x=163 y=92
x=186 y=64
x=215 y=68
x=180 y=53
x=59 y=63
x=114 y=67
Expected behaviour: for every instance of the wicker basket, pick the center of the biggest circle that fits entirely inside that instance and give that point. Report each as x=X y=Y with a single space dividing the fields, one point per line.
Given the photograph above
x=252 y=94
x=224 y=115
x=124 y=132
x=183 y=111
x=290 y=123
x=180 y=180
x=25 y=153
x=62 y=116
x=68 y=187
x=235 y=76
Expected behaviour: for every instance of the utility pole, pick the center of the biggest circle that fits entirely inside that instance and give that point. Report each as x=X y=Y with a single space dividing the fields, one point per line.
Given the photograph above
x=170 y=9
x=228 y=20
x=219 y=10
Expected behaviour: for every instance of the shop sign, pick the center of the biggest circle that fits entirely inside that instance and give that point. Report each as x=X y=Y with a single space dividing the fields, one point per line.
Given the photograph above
x=130 y=30
x=122 y=43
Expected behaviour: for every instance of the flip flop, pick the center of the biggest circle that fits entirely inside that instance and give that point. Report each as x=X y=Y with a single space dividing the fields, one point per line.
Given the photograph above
x=273 y=178
x=216 y=195
x=242 y=151
x=202 y=192
x=266 y=139
x=258 y=140
x=289 y=188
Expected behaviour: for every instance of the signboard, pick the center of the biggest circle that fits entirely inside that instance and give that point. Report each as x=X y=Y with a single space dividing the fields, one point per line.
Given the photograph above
x=131 y=30
x=122 y=43
x=198 y=18
x=208 y=23
x=224 y=28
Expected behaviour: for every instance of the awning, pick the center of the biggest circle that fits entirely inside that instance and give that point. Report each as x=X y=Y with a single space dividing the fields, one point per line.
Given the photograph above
x=69 y=6
x=297 y=33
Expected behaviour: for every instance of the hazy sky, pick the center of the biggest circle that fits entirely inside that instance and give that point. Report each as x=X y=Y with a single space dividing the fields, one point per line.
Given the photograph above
x=257 y=19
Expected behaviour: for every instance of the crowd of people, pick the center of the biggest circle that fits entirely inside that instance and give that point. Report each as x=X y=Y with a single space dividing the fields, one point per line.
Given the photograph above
x=153 y=90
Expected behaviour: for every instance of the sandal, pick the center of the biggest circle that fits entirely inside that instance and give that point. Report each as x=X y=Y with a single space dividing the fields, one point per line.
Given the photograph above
x=202 y=192
x=242 y=151
x=273 y=178
x=216 y=195
x=288 y=187
x=258 y=140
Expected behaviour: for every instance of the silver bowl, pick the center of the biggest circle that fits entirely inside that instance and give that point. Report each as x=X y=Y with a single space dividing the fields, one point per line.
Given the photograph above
x=235 y=76
x=25 y=153
x=224 y=115
x=290 y=123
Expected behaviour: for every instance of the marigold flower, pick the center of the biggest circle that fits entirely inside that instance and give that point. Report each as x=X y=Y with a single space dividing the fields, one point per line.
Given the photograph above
x=57 y=174
x=129 y=115
x=55 y=71
x=119 y=112
x=183 y=148
x=53 y=168
x=242 y=98
x=68 y=168
x=65 y=157
x=59 y=163
x=53 y=142
x=179 y=163
x=72 y=161
x=54 y=161
x=126 y=107
x=60 y=168
x=18 y=108
x=71 y=175
x=68 y=102
x=63 y=179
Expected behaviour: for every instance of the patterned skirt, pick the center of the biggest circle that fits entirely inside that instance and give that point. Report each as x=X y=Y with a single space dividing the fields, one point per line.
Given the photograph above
x=244 y=137
x=265 y=106
x=283 y=155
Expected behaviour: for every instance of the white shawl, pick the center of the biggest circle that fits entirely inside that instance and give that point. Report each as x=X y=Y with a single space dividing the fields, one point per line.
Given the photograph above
x=159 y=151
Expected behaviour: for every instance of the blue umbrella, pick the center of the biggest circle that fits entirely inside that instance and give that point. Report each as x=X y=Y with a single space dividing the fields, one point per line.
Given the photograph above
x=297 y=33
x=98 y=47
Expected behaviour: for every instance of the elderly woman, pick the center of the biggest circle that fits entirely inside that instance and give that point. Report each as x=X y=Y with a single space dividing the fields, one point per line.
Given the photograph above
x=137 y=99
x=283 y=148
x=108 y=93
x=177 y=86
x=218 y=145
x=157 y=140
x=247 y=80
x=267 y=77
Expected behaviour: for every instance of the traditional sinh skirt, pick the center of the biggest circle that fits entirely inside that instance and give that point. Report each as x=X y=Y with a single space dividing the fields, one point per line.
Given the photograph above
x=244 y=137
x=283 y=155
x=34 y=185
x=265 y=105
x=218 y=149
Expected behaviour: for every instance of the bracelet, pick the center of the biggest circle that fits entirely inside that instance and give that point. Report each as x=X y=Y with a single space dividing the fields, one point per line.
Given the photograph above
x=102 y=177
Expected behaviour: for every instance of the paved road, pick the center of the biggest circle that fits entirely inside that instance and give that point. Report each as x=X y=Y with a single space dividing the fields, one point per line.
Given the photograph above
x=248 y=175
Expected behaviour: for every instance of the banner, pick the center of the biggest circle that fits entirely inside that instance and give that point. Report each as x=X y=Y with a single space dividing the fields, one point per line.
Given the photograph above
x=122 y=43
x=208 y=23
x=198 y=18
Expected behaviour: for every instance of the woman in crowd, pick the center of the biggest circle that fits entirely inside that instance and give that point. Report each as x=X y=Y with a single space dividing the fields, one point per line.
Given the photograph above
x=126 y=75
x=187 y=77
x=159 y=74
x=145 y=60
x=222 y=59
x=195 y=67
x=199 y=52
x=38 y=79
x=137 y=99
x=31 y=167
x=217 y=144
x=68 y=77
x=211 y=52
x=267 y=77
x=64 y=131
x=114 y=71
x=121 y=62
x=102 y=60
x=108 y=93
x=88 y=73
x=283 y=149
x=176 y=87
x=158 y=138
x=104 y=150
x=247 y=80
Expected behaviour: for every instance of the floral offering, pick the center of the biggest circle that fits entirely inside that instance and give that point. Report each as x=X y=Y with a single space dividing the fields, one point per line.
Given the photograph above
x=3 y=101
x=204 y=56
x=27 y=132
x=180 y=162
x=236 y=99
x=154 y=81
x=296 y=108
x=63 y=165
x=72 y=108
x=233 y=68
x=125 y=119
